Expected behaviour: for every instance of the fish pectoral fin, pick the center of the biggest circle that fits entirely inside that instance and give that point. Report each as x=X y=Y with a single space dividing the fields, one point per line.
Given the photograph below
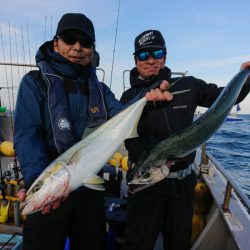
x=133 y=133
x=94 y=180
x=95 y=187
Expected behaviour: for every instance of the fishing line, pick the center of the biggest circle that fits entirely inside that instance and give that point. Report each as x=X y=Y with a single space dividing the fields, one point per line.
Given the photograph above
x=17 y=58
x=45 y=26
x=28 y=37
x=11 y=76
x=51 y=17
x=113 y=59
x=23 y=49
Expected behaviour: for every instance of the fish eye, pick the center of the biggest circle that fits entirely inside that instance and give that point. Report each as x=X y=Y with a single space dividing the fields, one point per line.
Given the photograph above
x=36 y=187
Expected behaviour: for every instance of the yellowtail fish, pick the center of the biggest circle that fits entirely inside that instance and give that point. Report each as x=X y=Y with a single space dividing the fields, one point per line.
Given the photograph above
x=79 y=164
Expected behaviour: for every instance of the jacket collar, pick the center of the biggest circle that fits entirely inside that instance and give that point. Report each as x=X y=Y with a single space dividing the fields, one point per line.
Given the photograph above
x=135 y=80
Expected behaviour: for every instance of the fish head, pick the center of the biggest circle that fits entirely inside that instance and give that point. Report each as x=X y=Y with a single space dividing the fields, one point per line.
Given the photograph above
x=145 y=177
x=51 y=185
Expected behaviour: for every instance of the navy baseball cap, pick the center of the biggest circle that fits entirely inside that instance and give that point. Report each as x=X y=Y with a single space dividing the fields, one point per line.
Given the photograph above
x=149 y=39
x=76 y=21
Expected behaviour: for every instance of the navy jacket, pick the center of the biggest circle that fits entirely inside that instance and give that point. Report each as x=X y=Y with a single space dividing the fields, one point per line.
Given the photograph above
x=33 y=138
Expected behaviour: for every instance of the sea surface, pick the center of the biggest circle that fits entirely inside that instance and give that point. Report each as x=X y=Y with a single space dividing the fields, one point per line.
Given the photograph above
x=230 y=145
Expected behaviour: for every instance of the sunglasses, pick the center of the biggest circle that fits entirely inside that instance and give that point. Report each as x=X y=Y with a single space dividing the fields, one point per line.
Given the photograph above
x=71 y=38
x=156 y=54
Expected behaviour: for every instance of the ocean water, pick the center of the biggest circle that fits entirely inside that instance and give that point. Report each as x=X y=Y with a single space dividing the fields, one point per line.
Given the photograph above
x=230 y=145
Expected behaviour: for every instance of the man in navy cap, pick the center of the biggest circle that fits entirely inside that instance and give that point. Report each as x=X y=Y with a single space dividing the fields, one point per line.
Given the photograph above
x=167 y=206
x=54 y=107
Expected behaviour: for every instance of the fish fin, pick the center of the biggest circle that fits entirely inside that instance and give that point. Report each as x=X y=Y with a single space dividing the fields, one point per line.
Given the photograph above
x=133 y=133
x=94 y=180
x=88 y=131
x=132 y=171
x=136 y=188
x=95 y=187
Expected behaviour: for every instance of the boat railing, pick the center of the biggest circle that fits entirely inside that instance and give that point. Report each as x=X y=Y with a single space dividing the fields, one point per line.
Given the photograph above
x=35 y=66
x=13 y=72
x=230 y=185
x=126 y=71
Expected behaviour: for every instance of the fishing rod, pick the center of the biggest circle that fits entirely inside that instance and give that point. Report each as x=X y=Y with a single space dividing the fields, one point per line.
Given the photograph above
x=5 y=66
x=15 y=168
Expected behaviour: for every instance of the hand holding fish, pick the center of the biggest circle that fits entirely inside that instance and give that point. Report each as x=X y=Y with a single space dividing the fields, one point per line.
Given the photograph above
x=245 y=65
x=79 y=165
x=47 y=209
x=160 y=94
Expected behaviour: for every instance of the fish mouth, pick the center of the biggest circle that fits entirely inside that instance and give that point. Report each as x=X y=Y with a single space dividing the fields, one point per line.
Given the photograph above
x=26 y=208
x=30 y=206
x=148 y=178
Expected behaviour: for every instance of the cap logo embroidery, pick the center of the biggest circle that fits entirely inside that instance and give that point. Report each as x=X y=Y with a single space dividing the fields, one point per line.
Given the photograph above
x=63 y=124
x=146 y=38
x=94 y=109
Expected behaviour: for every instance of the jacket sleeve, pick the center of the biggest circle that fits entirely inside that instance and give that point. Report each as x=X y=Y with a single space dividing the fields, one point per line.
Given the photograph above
x=208 y=92
x=28 y=130
x=113 y=105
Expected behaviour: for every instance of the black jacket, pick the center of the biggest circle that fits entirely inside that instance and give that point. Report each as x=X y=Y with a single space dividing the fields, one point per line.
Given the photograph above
x=162 y=119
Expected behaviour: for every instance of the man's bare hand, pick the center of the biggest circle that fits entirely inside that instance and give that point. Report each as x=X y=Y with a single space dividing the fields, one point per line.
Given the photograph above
x=160 y=94
x=21 y=195
x=245 y=65
x=48 y=208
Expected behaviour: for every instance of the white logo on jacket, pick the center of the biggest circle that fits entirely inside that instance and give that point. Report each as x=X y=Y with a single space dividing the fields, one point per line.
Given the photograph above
x=64 y=124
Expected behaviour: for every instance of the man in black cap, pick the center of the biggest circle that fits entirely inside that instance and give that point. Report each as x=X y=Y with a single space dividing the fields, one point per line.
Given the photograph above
x=54 y=107
x=168 y=205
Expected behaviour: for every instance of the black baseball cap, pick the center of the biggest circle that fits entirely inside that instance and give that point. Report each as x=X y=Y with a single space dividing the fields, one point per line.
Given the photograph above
x=149 y=39
x=76 y=21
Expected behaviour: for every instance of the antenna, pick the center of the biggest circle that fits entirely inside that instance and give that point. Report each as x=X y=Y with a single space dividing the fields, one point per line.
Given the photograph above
x=113 y=59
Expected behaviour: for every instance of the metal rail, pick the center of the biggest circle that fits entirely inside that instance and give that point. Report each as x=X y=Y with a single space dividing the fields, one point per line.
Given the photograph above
x=18 y=64
x=230 y=184
x=182 y=74
x=35 y=66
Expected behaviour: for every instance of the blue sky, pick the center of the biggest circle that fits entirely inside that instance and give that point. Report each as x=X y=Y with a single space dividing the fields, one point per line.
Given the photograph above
x=209 y=39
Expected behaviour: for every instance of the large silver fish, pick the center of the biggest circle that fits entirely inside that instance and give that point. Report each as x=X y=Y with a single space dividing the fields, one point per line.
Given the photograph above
x=153 y=167
x=79 y=165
